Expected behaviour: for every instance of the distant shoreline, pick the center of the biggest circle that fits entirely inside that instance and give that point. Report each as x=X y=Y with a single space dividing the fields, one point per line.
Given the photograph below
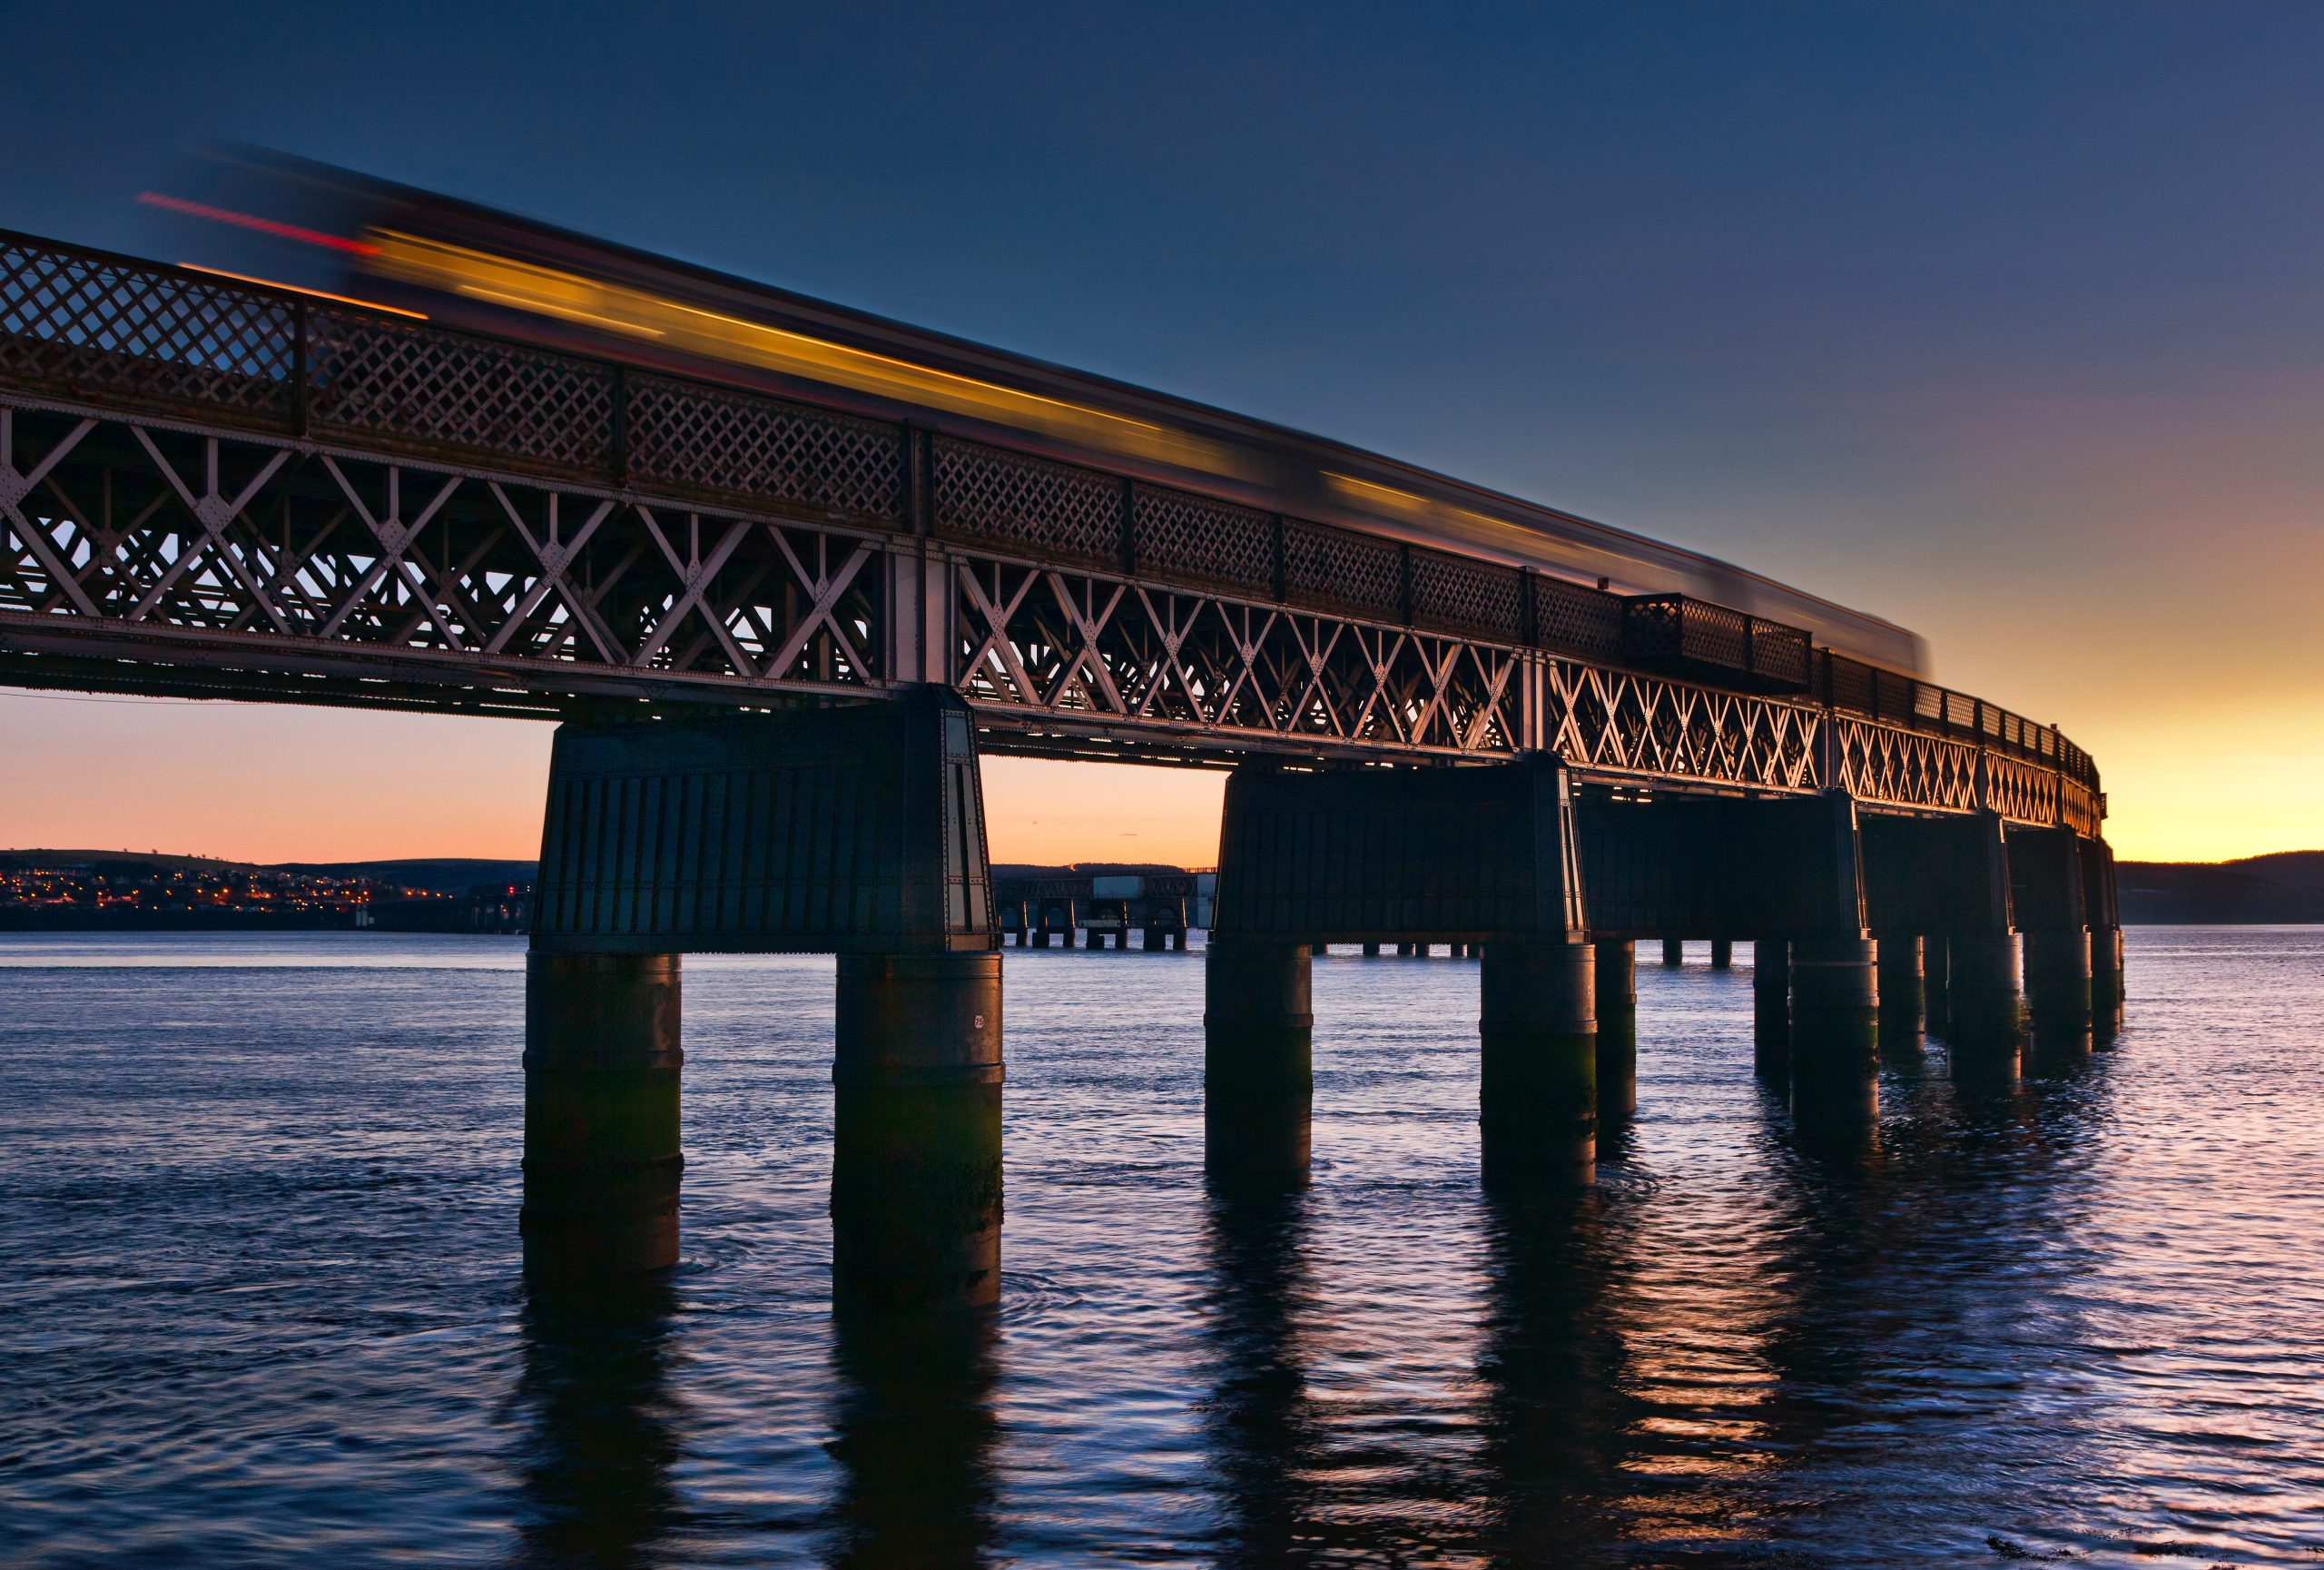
x=2286 y=889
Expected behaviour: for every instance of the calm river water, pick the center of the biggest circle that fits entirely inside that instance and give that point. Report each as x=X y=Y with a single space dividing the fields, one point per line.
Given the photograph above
x=257 y=1258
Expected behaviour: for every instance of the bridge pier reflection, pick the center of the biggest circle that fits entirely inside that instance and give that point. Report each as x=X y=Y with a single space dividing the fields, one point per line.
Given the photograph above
x=1258 y=1419
x=595 y=1468
x=912 y=1431
x=1556 y=1412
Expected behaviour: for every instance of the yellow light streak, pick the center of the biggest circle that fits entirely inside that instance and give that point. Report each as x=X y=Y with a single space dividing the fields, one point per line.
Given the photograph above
x=569 y=312
x=1477 y=527
x=571 y=297
x=310 y=293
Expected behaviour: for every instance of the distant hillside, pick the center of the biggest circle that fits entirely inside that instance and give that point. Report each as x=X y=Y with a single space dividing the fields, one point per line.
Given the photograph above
x=440 y=874
x=2286 y=887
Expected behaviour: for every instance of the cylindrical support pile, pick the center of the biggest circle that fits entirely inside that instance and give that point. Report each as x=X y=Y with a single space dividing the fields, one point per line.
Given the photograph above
x=1722 y=954
x=1904 y=996
x=1835 y=1027
x=1617 y=1011
x=2106 y=994
x=916 y=1180
x=1771 y=1006
x=1674 y=952
x=1985 y=1003
x=1539 y=1024
x=2058 y=978
x=1259 y=1053
x=602 y=1065
x=1936 y=986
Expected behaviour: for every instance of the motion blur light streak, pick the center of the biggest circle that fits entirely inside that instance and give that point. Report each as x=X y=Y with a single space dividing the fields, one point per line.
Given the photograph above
x=570 y=297
x=297 y=288
x=1477 y=527
x=280 y=230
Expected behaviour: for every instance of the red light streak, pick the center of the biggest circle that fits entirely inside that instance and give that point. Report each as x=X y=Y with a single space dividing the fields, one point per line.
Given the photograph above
x=264 y=225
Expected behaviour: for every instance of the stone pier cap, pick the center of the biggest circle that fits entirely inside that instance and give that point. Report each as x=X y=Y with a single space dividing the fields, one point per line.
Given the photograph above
x=1477 y=855
x=850 y=830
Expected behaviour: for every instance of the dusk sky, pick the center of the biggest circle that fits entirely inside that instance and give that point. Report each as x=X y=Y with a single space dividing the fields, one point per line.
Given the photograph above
x=2005 y=323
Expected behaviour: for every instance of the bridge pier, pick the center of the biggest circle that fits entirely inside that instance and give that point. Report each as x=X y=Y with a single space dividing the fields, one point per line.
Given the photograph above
x=1288 y=883
x=1809 y=875
x=602 y=1065
x=858 y=831
x=1258 y=1027
x=1616 y=987
x=1951 y=877
x=1674 y=953
x=1722 y=954
x=2045 y=876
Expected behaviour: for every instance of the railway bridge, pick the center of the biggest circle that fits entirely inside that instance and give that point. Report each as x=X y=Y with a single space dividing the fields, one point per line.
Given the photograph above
x=779 y=621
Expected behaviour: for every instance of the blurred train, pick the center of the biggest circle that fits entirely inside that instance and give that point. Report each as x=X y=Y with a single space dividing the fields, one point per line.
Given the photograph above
x=265 y=217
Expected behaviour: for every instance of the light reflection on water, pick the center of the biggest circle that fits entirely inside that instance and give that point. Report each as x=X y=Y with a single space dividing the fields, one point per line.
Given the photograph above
x=258 y=1226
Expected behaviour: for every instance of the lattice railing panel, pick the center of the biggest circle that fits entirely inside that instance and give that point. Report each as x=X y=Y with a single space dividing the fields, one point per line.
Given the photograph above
x=1573 y=619
x=684 y=435
x=89 y=328
x=416 y=387
x=1459 y=594
x=1049 y=508
x=1337 y=569
x=1192 y=539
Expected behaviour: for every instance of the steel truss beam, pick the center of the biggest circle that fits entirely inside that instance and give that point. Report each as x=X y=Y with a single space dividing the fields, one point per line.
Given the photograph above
x=158 y=555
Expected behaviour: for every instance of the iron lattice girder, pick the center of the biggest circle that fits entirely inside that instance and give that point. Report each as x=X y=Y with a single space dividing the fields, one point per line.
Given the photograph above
x=115 y=338
x=280 y=568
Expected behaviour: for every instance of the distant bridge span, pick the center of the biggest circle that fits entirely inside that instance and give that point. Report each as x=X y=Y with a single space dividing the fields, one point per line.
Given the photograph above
x=219 y=489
